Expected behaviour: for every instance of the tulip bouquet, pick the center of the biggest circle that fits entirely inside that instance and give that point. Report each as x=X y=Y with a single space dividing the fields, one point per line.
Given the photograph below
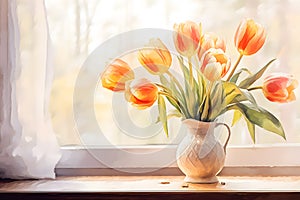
x=208 y=90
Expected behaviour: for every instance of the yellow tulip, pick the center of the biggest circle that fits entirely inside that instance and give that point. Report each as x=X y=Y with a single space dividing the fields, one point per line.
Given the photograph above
x=279 y=88
x=210 y=40
x=116 y=75
x=187 y=37
x=249 y=37
x=214 y=64
x=141 y=93
x=155 y=57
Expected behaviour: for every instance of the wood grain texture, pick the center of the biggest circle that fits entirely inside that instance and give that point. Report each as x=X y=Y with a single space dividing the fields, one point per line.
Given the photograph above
x=151 y=187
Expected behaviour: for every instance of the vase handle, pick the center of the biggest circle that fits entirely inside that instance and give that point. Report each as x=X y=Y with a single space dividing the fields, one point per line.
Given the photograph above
x=229 y=134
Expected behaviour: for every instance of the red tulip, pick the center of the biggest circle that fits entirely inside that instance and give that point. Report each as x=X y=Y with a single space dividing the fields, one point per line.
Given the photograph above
x=279 y=88
x=156 y=58
x=116 y=75
x=210 y=40
x=141 y=93
x=214 y=64
x=249 y=37
x=187 y=37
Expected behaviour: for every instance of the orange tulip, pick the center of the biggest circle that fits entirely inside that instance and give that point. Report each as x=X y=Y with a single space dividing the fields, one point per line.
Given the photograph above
x=214 y=64
x=279 y=88
x=187 y=37
x=116 y=74
x=249 y=37
x=156 y=58
x=210 y=40
x=141 y=93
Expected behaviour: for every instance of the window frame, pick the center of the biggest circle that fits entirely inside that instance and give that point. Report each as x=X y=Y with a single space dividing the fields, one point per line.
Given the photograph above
x=240 y=160
x=237 y=156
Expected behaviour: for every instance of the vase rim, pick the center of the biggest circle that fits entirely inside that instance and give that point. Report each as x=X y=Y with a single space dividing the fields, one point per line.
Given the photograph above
x=191 y=120
x=199 y=127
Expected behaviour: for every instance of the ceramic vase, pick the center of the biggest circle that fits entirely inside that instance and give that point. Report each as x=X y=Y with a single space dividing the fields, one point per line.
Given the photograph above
x=200 y=156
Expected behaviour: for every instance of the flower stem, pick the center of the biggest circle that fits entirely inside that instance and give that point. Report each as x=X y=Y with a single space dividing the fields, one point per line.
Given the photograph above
x=255 y=88
x=235 y=66
x=191 y=70
x=175 y=80
x=171 y=97
x=205 y=113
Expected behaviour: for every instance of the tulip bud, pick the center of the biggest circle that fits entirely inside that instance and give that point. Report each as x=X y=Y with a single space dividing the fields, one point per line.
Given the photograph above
x=214 y=64
x=187 y=37
x=155 y=57
x=210 y=40
x=249 y=37
x=116 y=75
x=141 y=93
x=279 y=88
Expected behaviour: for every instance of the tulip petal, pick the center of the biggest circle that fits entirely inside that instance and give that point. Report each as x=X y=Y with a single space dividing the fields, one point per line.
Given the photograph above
x=279 y=88
x=213 y=71
x=115 y=75
x=156 y=58
x=250 y=37
x=240 y=33
x=141 y=93
x=187 y=37
x=255 y=43
x=214 y=64
x=208 y=41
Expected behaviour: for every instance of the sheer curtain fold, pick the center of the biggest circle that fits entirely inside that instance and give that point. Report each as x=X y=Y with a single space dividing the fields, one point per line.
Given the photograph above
x=28 y=146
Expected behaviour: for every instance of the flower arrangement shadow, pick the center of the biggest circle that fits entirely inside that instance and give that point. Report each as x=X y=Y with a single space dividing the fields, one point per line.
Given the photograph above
x=212 y=87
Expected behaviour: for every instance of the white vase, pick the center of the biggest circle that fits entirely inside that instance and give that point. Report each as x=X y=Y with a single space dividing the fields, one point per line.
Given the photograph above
x=200 y=156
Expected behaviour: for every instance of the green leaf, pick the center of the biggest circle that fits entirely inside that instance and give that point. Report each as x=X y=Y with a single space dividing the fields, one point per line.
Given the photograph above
x=163 y=113
x=237 y=115
x=260 y=117
x=200 y=91
x=186 y=73
x=184 y=69
x=172 y=113
x=190 y=97
x=164 y=81
x=173 y=97
x=166 y=85
x=246 y=96
x=173 y=103
x=249 y=96
x=205 y=110
x=216 y=101
x=191 y=102
x=202 y=86
x=177 y=93
x=231 y=91
x=200 y=109
x=251 y=129
x=235 y=77
x=251 y=79
x=233 y=94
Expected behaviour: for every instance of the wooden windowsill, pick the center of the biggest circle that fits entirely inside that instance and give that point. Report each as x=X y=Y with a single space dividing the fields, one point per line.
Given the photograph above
x=151 y=187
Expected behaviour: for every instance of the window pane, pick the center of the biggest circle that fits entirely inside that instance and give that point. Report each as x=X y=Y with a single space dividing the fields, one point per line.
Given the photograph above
x=78 y=27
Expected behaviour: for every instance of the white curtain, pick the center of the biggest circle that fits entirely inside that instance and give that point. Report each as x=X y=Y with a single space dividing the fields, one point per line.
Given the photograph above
x=28 y=146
